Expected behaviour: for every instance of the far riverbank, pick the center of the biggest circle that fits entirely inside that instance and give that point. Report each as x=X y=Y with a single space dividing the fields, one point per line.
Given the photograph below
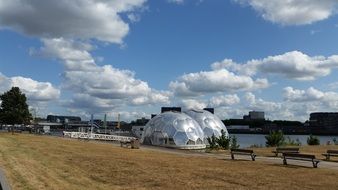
x=247 y=140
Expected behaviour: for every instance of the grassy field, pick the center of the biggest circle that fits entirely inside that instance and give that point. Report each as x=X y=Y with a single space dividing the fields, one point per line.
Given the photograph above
x=40 y=162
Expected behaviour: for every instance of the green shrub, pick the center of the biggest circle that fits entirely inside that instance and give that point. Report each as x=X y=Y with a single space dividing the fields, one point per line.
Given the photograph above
x=256 y=146
x=212 y=142
x=275 y=138
x=223 y=141
x=313 y=140
x=233 y=142
x=290 y=142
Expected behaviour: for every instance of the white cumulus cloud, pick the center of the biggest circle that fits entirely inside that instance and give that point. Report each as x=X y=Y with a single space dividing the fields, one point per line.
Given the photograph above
x=293 y=65
x=225 y=100
x=214 y=81
x=191 y=103
x=260 y=104
x=176 y=1
x=97 y=86
x=35 y=91
x=310 y=95
x=293 y=12
x=78 y=19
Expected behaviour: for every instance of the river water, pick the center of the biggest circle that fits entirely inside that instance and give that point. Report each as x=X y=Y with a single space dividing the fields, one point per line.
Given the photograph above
x=247 y=140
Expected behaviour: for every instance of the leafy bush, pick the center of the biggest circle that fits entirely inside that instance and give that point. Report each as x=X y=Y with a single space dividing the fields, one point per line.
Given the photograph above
x=212 y=142
x=275 y=138
x=256 y=146
x=233 y=142
x=223 y=141
x=290 y=142
x=313 y=140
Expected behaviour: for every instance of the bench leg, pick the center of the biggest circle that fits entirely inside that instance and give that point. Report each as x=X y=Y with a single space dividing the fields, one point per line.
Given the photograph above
x=253 y=156
x=284 y=161
x=328 y=157
x=315 y=164
x=232 y=156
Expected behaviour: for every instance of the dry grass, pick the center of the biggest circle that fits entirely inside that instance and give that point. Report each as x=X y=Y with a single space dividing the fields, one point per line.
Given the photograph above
x=38 y=162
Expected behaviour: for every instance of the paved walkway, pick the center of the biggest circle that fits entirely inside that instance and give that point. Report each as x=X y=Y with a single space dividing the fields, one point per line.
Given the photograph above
x=3 y=181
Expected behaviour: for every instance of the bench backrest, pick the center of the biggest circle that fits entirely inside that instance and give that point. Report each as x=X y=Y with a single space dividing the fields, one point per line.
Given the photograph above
x=309 y=156
x=278 y=149
x=332 y=151
x=241 y=150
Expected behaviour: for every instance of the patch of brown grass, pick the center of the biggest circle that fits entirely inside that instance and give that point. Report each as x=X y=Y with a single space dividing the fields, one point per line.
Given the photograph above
x=39 y=162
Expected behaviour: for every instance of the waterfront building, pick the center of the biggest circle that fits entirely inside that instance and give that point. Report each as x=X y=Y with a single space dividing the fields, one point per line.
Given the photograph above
x=254 y=115
x=325 y=120
x=62 y=119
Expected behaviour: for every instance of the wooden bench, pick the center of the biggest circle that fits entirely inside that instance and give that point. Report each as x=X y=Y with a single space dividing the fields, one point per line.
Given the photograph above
x=285 y=150
x=125 y=143
x=242 y=152
x=330 y=153
x=303 y=157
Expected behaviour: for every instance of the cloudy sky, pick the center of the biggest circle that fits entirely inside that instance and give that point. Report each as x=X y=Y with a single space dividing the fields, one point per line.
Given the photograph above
x=133 y=56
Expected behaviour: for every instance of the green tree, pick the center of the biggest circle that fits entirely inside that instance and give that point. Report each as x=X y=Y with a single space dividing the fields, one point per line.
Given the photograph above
x=223 y=141
x=14 y=109
x=275 y=138
x=233 y=143
x=212 y=142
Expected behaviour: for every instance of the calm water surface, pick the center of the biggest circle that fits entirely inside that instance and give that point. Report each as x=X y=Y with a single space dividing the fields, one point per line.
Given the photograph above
x=246 y=140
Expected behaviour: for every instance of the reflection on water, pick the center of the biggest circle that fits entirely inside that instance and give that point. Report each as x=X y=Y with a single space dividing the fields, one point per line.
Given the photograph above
x=247 y=140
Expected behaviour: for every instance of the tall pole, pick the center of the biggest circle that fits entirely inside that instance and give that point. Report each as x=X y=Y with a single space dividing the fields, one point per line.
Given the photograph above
x=105 y=123
x=91 y=124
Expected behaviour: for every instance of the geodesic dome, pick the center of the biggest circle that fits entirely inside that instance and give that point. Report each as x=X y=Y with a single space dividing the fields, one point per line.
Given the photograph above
x=209 y=122
x=173 y=129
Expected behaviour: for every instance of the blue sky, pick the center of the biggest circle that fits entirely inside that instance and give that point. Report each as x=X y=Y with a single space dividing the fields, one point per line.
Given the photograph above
x=134 y=56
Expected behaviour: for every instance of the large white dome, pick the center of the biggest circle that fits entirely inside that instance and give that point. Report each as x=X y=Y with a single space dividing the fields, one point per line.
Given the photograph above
x=209 y=122
x=173 y=129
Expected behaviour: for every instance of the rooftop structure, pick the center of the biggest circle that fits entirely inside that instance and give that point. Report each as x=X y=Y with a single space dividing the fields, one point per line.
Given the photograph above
x=255 y=115
x=63 y=119
x=166 y=109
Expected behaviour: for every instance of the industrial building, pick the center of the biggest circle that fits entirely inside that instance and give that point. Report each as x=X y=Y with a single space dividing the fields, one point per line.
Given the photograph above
x=254 y=115
x=324 y=120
